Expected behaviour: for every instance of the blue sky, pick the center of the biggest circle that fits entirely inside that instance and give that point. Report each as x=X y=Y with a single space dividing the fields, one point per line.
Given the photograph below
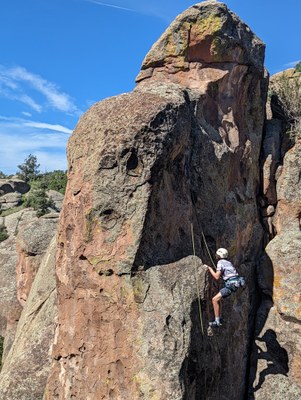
x=57 y=57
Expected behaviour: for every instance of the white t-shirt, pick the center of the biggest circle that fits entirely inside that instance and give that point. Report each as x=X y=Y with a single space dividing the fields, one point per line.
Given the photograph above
x=227 y=269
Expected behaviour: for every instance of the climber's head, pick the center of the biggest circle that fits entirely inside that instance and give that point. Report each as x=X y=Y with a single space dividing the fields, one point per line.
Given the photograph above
x=222 y=253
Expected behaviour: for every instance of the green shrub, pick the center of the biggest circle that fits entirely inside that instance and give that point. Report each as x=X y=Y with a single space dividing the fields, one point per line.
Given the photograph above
x=287 y=92
x=38 y=200
x=298 y=67
x=55 y=180
x=3 y=233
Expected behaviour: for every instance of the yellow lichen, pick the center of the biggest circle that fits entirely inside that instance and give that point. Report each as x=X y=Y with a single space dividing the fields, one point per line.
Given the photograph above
x=208 y=26
x=145 y=386
x=176 y=42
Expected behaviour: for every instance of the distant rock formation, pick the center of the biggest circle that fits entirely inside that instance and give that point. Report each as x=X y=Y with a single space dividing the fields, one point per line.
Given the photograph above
x=11 y=191
x=13 y=185
x=182 y=148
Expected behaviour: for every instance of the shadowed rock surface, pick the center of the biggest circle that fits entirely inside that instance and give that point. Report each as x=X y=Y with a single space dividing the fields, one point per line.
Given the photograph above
x=182 y=147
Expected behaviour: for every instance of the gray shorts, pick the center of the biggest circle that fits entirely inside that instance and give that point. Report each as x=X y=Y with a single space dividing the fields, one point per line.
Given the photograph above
x=228 y=290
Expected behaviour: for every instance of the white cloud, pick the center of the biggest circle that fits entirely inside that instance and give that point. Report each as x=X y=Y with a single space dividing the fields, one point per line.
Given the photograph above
x=22 y=137
x=27 y=114
x=152 y=9
x=29 y=101
x=42 y=125
x=291 y=64
x=100 y=3
x=13 y=83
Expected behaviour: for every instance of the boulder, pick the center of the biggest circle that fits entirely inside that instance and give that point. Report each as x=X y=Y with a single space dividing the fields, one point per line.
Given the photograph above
x=13 y=185
x=182 y=148
x=10 y=200
x=56 y=197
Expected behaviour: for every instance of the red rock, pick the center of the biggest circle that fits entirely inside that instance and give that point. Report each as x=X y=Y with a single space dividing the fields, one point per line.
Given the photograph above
x=182 y=147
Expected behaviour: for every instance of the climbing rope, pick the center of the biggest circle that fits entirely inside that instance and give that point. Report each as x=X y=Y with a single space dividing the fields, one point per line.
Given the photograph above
x=208 y=251
x=196 y=279
x=199 y=299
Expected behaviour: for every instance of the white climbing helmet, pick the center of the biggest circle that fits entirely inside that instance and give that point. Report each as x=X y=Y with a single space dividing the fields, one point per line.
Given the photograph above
x=222 y=253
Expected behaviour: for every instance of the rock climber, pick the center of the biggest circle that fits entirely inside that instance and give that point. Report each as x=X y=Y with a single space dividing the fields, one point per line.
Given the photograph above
x=225 y=270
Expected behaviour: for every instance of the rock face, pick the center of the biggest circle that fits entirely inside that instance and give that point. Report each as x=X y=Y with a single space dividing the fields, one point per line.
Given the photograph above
x=27 y=365
x=10 y=309
x=276 y=357
x=182 y=148
x=32 y=242
x=28 y=334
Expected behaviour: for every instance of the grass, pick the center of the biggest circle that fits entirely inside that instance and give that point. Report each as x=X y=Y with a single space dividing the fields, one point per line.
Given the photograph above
x=10 y=211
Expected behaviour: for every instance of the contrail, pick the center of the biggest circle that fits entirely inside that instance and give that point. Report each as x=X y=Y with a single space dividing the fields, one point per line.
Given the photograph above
x=111 y=5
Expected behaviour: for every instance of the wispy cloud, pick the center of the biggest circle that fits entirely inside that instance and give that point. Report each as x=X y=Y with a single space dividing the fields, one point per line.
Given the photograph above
x=100 y=3
x=51 y=127
x=151 y=9
x=21 y=122
x=22 y=136
x=15 y=83
x=27 y=114
x=291 y=64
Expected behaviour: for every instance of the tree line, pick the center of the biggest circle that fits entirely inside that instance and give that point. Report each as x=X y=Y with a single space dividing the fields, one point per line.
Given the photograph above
x=39 y=183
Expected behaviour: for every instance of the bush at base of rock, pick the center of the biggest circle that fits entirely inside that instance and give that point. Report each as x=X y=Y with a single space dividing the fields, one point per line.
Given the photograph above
x=3 y=233
x=38 y=200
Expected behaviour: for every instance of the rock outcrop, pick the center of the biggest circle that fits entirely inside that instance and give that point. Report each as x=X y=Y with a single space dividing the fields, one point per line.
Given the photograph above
x=11 y=191
x=126 y=316
x=10 y=309
x=27 y=364
x=29 y=333
x=182 y=148
x=31 y=244
x=276 y=357
x=13 y=185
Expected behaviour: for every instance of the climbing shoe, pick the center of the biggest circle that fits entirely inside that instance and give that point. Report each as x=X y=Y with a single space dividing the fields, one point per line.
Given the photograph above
x=215 y=323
